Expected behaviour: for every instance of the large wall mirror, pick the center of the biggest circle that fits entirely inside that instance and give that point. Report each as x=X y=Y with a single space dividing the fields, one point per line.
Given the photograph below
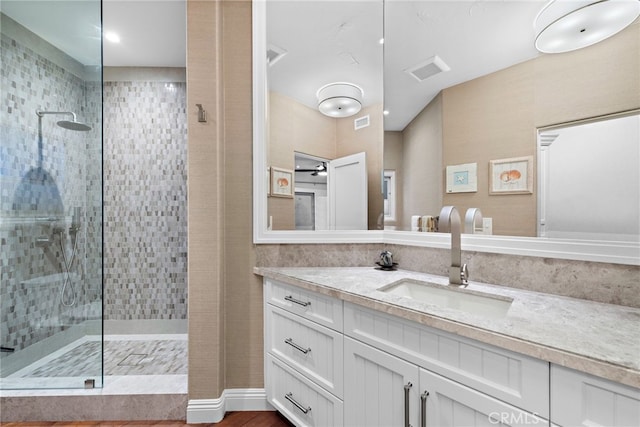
x=325 y=123
x=464 y=92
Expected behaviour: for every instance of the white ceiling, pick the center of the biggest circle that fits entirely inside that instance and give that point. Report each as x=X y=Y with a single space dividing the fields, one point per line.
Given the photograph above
x=152 y=32
x=71 y=26
x=326 y=41
x=330 y=41
x=473 y=38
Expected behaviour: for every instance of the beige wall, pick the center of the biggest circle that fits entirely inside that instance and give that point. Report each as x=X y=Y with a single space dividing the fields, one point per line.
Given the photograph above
x=294 y=127
x=422 y=160
x=225 y=298
x=205 y=200
x=591 y=82
x=496 y=117
x=243 y=345
x=492 y=118
x=393 y=153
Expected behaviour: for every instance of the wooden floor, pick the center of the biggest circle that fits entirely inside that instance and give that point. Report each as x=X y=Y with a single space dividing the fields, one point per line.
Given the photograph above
x=232 y=419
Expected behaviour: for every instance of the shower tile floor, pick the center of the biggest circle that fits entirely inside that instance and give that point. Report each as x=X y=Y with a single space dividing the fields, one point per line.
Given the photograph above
x=132 y=364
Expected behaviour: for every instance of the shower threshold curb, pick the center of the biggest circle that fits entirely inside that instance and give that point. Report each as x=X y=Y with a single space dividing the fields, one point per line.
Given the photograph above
x=96 y=407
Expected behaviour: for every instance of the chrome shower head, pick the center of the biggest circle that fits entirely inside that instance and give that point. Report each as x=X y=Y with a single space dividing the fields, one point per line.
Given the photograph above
x=73 y=125
x=66 y=124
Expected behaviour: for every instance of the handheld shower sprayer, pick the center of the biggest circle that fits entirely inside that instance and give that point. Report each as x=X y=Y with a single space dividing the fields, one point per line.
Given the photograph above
x=75 y=220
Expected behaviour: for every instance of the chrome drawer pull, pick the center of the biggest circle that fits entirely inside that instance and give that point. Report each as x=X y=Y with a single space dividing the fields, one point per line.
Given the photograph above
x=289 y=397
x=423 y=407
x=407 y=388
x=297 y=301
x=296 y=346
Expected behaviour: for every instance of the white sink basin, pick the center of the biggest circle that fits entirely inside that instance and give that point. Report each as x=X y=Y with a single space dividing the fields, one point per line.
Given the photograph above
x=464 y=300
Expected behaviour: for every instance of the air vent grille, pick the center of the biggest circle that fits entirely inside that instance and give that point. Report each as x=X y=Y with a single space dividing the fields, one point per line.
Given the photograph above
x=274 y=54
x=361 y=122
x=429 y=68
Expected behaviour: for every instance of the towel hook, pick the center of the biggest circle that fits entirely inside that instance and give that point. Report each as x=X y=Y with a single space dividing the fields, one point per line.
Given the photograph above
x=202 y=114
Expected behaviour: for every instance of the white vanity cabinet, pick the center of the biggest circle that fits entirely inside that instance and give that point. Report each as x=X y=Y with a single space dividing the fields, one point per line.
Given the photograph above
x=304 y=355
x=579 y=399
x=382 y=390
x=396 y=368
x=518 y=380
x=334 y=363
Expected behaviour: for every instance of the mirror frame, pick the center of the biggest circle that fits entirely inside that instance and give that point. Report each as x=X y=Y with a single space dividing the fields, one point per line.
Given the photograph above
x=627 y=253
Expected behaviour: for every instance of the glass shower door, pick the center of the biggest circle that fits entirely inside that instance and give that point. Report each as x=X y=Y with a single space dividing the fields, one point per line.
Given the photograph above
x=50 y=194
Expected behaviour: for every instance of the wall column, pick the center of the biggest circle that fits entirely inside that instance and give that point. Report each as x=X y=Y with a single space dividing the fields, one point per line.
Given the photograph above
x=205 y=201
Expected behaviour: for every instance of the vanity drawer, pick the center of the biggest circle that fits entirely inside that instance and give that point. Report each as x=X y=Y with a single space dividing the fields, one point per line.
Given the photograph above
x=511 y=377
x=300 y=400
x=312 y=349
x=324 y=310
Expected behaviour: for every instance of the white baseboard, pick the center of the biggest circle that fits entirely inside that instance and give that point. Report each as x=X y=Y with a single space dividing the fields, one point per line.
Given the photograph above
x=239 y=399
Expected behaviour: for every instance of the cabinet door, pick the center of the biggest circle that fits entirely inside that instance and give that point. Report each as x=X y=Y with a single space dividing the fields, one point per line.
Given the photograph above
x=374 y=388
x=451 y=404
x=579 y=399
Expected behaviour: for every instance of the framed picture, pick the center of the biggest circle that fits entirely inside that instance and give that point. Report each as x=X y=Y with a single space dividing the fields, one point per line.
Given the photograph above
x=281 y=182
x=511 y=176
x=462 y=178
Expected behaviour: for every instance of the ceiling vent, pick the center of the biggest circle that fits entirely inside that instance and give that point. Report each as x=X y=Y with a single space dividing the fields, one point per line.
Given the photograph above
x=361 y=122
x=428 y=68
x=547 y=139
x=274 y=54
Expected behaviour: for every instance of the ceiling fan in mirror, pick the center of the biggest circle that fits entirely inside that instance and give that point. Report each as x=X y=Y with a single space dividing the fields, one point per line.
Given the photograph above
x=320 y=170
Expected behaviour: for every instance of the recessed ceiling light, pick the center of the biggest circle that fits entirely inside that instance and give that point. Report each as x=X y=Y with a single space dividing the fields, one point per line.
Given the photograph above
x=385 y=112
x=112 y=37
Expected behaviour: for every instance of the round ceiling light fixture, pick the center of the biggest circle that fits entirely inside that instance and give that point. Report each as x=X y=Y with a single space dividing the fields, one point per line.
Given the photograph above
x=566 y=25
x=339 y=99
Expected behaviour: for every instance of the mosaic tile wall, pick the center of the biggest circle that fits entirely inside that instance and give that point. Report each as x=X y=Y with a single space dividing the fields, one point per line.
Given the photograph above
x=43 y=181
x=145 y=204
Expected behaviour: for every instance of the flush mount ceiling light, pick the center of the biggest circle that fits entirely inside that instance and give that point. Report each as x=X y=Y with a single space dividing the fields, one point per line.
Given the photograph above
x=566 y=25
x=339 y=99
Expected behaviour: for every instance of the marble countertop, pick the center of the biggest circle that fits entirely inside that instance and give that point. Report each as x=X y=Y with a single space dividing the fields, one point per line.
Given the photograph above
x=596 y=338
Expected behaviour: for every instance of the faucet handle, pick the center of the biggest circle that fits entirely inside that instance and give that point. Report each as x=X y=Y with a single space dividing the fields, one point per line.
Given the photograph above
x=464 y=274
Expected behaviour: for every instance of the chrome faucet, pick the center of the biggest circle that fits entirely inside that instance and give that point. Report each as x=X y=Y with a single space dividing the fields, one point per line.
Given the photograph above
x=473 y=221
x=449 y=222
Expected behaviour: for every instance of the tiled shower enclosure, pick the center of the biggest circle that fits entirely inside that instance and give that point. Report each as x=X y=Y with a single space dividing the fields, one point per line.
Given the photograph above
x=145 y=195
x=50 y=199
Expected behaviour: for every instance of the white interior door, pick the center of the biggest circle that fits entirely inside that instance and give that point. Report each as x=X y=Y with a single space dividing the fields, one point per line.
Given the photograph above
x=347 y=181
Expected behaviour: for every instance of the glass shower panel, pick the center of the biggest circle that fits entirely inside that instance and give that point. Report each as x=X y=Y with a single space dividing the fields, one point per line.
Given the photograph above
x=50 y=194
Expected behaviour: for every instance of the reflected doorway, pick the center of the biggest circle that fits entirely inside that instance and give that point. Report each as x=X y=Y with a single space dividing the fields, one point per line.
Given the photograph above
x=310 y=192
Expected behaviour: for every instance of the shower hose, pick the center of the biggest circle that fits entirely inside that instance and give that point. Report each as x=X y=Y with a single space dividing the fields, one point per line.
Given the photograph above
x=67 y=271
